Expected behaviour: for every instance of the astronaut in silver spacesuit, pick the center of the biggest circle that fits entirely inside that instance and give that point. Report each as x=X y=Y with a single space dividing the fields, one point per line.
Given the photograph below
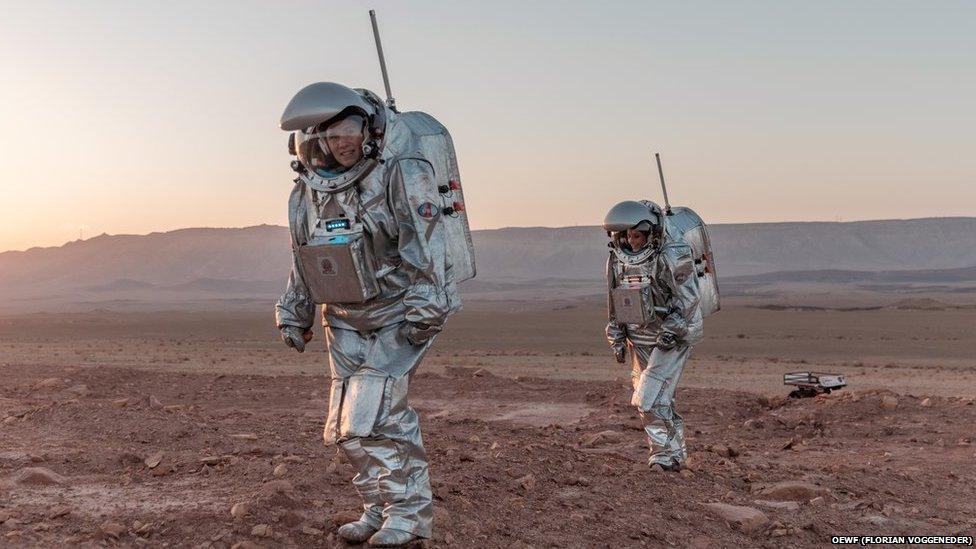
x=655 y=313
x=375 y=216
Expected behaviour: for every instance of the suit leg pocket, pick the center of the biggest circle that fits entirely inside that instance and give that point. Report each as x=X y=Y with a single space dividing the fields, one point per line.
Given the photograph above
x=362 y=404
x=647 y=391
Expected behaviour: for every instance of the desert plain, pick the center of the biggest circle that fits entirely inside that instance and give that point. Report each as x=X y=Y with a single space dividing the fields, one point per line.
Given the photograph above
x=198 y=428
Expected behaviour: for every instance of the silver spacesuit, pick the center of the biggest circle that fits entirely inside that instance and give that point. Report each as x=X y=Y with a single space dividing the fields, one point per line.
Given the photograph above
x=660 y=280
x=381 y=240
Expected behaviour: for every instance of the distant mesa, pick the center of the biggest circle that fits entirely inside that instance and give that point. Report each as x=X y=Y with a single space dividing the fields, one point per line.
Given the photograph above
x=120 y=285
x=921 y=304
x=516 y=263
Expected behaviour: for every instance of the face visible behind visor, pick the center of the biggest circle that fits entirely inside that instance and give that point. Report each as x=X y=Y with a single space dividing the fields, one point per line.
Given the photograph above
x=332 y=148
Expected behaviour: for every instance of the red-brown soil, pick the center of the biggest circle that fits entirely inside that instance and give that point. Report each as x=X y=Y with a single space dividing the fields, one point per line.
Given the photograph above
x=515 y=462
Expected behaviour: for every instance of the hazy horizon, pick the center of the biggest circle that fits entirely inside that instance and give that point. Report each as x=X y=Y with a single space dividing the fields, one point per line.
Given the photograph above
x=137 y=117
x=285 y=226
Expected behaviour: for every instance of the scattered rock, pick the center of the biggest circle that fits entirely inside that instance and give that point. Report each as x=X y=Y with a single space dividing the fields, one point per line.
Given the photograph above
x=112 y=529
x=120 y=403
x=889 y=402
x=4 y=516
x=291 y=518
x=784 y=505
x=153 y=461
x=280 y=493
x=876 y=520
x=926 y=402
x=771 y=401
x=309 y=531
x=38 y=476
x=51 y=383
x=792 y=490
x=56 y=512
x=211 y=460
x=247 y=544
x=294 y=459
x=154 y=403
x=142 y=529
x=280 y=471
x=527 y=482
x=239 y=510
x=80 y=390
x=780 y=532
x=747 y=519
x=818 y=501
x=128 y=458
x=261 y=531
x=603 y=437
x=448 y=538
x=162 y=471
x=245 y=436
x=753 y=424
x=273 y=487
x=723 y=450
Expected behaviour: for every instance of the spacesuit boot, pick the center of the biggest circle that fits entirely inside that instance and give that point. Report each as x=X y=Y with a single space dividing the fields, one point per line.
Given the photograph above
x=390 y=537
x=357 y=531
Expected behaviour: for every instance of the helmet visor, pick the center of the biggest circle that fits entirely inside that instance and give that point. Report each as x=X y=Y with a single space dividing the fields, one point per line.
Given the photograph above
x=333 y=147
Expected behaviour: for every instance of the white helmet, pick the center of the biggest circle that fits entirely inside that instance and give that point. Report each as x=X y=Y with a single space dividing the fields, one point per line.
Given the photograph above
x=643 y=215
x=337 y=133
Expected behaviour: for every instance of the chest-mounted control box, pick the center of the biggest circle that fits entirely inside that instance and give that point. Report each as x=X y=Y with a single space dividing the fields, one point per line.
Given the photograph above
x=337 y=265
x=633 y=302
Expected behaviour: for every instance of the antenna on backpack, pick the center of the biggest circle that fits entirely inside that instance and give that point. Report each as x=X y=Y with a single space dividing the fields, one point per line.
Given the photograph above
x=390 y=102
x=667 y=205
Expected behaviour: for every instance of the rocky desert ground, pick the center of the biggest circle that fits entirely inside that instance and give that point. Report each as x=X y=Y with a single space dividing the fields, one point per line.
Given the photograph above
x=200 y=429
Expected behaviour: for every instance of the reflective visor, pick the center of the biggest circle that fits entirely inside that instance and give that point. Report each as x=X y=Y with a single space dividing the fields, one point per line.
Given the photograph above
x=333 y=149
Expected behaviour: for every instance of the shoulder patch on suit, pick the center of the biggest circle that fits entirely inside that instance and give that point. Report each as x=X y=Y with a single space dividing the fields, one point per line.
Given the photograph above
x=427 y=210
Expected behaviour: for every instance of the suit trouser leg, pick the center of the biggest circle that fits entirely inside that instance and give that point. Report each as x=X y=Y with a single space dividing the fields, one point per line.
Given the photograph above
x=654 y=390
x=378 y=431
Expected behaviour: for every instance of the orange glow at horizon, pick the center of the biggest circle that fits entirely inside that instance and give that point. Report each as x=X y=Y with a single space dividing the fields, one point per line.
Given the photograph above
x=130 y=119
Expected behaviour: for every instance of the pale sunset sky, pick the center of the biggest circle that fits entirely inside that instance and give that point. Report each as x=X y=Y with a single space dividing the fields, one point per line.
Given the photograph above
x=134 y=116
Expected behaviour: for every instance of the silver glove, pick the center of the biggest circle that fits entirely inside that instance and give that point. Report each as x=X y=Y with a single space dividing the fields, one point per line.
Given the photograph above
x=295 y=337
x=666 y=341
x=620 y=354
x=418 y=334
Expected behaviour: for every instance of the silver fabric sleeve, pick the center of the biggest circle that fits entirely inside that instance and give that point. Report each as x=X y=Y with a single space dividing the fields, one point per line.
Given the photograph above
x=421 y=241
x=295 y=306
x=679 y=278
x=616 y=332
